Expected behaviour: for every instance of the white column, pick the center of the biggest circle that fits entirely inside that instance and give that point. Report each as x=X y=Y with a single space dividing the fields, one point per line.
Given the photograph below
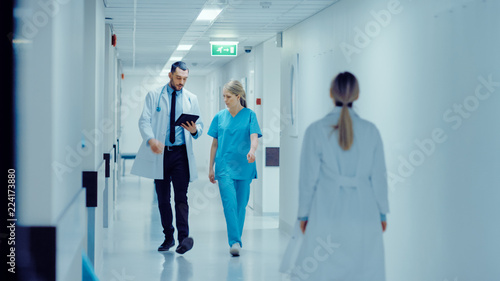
x=94 y=122
x=271 y=95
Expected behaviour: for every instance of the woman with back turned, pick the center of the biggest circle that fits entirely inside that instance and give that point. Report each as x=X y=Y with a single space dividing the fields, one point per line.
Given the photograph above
x=342 y=194
x=235 y=131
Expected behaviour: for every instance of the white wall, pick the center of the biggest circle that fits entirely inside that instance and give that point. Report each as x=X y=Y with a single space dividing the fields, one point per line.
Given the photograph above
x=201 y=146
x=48 y=114
x=61 y=75
x=93 y=75
x=48 y=111
x=134 y=90
x=416 y=69
x=49 y=94
x=98 y=126
x=257 y=191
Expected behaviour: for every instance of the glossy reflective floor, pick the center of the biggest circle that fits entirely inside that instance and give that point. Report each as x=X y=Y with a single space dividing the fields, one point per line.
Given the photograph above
x=130 y=244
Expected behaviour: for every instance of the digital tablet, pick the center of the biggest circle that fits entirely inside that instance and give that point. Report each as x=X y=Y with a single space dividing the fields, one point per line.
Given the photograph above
x=184 y=118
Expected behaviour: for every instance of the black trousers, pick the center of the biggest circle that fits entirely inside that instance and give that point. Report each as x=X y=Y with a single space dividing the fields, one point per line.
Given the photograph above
x=175 y=170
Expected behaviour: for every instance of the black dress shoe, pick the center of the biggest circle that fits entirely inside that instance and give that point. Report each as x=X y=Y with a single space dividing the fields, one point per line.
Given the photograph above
x=166 y=245
x=186 y=245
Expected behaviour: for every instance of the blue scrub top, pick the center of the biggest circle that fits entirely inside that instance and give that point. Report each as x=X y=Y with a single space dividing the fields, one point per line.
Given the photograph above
x=233 y=139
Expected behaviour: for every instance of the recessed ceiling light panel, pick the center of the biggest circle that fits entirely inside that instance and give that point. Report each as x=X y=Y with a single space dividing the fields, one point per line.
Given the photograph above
x=184 y=47
x=208 y=14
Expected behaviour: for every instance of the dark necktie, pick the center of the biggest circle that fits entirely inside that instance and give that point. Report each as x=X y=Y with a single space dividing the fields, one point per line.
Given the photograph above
x=172 y=119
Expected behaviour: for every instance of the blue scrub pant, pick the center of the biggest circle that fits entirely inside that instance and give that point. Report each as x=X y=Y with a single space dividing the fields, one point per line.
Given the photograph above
x=234 y=195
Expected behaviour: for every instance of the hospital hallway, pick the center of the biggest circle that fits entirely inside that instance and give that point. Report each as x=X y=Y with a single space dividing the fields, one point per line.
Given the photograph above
x=130 y=248
x=92 y=88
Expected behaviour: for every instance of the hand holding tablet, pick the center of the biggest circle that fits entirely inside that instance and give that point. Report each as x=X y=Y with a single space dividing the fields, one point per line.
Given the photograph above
x=184 y=118
x=188 y=122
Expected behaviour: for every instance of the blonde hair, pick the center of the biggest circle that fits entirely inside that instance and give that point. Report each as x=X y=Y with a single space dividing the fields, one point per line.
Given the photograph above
x=344 y=90
x=236 y=88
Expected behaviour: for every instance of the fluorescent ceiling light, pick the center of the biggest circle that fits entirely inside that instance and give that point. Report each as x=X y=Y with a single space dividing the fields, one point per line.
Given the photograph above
x=224 y=42
x=208 y=14
x=174 y=59
x=184 y=47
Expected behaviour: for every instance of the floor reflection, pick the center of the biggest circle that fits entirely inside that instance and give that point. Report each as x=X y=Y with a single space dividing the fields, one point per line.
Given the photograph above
x=132 y=241
x=179 y=265
x=234 y=269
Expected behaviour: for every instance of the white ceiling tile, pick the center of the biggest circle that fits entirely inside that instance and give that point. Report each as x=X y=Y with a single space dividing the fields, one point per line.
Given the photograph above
x=161 y=25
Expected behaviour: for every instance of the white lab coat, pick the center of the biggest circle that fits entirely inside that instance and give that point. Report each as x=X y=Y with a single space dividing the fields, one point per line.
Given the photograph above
x=342 y=193
x=153 y=124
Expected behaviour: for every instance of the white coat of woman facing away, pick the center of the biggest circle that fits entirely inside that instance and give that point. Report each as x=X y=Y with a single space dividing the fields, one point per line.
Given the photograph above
x=342 y=196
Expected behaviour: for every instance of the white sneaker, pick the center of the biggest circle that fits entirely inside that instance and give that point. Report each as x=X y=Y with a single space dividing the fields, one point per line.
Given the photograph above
x=235 y=249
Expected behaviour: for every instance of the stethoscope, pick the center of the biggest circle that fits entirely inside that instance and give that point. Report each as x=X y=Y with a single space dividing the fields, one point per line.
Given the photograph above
x=158 y=108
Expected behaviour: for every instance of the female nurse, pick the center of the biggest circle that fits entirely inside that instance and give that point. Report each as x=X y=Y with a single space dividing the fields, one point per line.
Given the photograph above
x=342 y=193
x=235 y=131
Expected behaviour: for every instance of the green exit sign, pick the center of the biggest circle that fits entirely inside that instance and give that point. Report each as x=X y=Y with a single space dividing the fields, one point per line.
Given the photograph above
x=224 y=49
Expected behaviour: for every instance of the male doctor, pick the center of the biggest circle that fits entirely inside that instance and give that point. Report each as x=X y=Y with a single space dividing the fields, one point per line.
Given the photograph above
x=166 y=153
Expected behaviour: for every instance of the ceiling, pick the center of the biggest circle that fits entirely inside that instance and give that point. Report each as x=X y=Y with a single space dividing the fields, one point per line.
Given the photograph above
x=149 y=31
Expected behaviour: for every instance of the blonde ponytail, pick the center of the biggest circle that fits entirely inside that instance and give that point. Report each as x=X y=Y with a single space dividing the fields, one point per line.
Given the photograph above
x=344 y=90
x=345 y=131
